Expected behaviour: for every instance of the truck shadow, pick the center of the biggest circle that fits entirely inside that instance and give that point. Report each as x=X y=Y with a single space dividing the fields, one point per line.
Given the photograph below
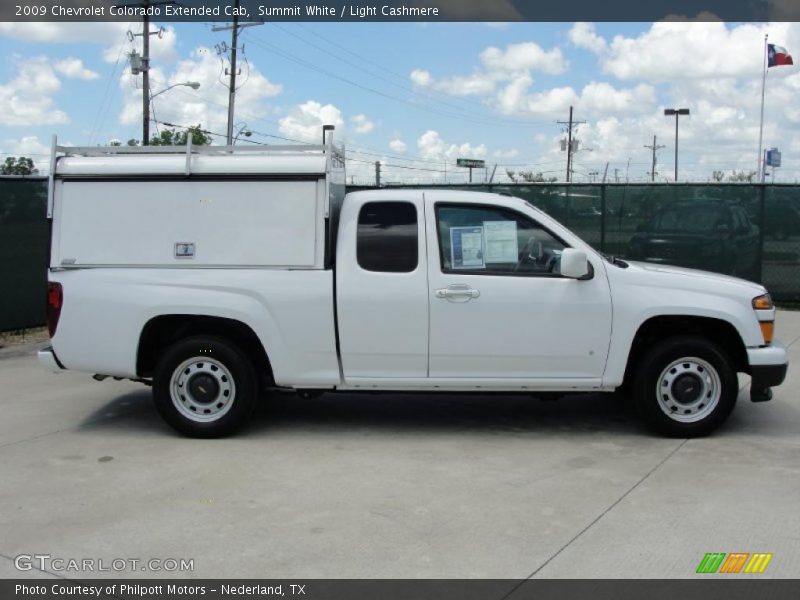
x=436 y=413
x=414 y=413
x=399 y=413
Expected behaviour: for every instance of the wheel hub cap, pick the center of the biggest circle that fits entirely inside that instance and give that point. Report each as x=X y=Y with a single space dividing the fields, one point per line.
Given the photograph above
x=202 y=389
x=688 y=389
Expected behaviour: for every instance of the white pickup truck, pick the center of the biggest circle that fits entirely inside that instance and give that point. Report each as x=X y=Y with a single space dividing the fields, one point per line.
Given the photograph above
x=219 y=275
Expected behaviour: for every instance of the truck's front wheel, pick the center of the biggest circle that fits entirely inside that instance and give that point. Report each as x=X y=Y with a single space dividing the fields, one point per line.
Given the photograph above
x=205 y=386
x=685 y=387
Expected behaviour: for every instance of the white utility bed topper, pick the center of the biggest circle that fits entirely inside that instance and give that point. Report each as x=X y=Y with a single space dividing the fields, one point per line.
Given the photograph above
x=212 y=206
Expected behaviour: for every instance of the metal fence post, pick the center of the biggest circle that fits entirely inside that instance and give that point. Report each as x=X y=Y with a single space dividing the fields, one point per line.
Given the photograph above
x=762 y=219
x=602 y=217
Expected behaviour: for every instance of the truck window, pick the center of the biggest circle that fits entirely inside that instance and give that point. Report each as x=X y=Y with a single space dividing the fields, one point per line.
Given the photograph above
x=387 y=237
x=494 y=241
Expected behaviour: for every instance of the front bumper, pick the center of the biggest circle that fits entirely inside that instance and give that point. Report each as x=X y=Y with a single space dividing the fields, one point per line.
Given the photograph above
x=48 y=359
x=768 y=366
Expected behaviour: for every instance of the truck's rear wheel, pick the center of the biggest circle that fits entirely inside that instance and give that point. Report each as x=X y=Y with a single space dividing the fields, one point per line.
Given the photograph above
x=685 y=387
x=205 y=387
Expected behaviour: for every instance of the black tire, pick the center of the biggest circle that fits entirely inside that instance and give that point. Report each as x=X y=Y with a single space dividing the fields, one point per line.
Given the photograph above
x=713 y=371
x=227 y=394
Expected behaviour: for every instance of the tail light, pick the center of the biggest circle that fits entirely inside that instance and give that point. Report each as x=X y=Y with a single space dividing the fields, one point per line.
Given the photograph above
x=55 y=298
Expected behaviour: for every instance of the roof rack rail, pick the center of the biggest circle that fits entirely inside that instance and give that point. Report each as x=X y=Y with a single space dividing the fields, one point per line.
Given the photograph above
x=195 y=149
x=335 y=155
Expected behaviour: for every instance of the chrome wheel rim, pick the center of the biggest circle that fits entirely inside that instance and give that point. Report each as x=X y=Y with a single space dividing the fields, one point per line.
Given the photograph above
x=202 y=389
x=688 y=390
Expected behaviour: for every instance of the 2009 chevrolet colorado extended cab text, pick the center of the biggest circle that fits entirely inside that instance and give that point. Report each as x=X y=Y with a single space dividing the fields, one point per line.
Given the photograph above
x=218 y=274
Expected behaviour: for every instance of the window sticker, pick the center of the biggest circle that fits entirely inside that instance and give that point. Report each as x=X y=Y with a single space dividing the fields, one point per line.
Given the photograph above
x=501 y=241
x=466 y=248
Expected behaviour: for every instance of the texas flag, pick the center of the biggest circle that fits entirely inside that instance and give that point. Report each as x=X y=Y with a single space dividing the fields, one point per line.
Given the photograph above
x=777 y=56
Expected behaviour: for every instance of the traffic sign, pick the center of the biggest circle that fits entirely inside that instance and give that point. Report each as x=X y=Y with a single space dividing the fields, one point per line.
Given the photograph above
x=471 y=163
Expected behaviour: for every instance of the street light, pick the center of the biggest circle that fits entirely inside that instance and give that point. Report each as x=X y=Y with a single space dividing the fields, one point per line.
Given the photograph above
x=677 y=112
x=243 y=130
x=195 y=85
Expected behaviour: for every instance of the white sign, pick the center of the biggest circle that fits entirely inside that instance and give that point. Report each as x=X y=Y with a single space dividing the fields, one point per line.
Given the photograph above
x=501 y=241
x=466 y=247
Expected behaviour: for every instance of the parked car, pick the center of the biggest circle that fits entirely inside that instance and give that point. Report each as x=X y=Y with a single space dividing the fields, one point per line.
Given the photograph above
x=702 y=234
x=219 y=275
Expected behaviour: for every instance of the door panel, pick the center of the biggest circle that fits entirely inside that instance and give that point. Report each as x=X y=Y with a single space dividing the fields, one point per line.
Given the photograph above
x=382 y=287
x=507 y=318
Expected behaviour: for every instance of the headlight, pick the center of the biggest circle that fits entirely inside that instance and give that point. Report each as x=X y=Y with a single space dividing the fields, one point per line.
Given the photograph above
x=767 y=324
x=763 y=303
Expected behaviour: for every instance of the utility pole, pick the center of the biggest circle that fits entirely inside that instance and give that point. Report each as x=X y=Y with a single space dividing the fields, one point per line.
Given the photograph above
x=146 y=75
x=141 y=64
x=570 y=125
x=654 y=148
x=377 y=173
x=232 y=86
x=234 y=28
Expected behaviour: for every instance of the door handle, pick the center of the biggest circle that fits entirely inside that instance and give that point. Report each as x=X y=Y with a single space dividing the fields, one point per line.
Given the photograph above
x=458 y=292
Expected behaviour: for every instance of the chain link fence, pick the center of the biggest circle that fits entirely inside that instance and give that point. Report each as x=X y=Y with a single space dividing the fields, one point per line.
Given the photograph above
x=749 y=231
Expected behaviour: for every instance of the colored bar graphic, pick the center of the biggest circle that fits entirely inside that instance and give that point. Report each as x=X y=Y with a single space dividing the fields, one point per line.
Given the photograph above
x=711 y=562
x=716 y=562
x=758 y=563
x=734 y=562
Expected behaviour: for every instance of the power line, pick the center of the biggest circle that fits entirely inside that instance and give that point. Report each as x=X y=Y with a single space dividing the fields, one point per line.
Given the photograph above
x=280 y=52
x=403 y=86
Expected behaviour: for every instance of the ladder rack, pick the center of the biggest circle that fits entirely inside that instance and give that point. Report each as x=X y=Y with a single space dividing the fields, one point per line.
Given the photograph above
x=335 y=156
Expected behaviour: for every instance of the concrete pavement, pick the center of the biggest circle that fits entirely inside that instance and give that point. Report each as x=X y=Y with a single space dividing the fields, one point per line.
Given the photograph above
x=393 y=485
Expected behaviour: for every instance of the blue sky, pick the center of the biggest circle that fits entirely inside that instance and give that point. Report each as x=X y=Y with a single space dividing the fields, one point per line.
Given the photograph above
x=420 y=95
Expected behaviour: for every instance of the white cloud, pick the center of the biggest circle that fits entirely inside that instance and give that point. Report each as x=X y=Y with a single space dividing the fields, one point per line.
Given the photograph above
x=682 y=50
x=505 y=154
x=206 y=106
x=421 y=77
x=526 y=56
x=583 y=35
x=28 y=98
x=305 y=121
x=361 y=124
x=603 y=98
x=432 y=147
x=516 y=99
x=497 y=66
x=74 y=69
x=398 y=145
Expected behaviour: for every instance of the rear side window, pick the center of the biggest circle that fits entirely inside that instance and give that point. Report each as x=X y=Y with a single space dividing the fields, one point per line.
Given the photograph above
x=387 y=237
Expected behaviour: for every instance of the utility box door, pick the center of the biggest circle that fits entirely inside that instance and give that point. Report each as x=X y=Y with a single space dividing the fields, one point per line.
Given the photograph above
x=189 y=223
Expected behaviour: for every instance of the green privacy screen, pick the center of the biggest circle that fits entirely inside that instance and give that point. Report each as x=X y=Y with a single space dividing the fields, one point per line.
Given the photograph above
x=23 y=252
x=750 y=231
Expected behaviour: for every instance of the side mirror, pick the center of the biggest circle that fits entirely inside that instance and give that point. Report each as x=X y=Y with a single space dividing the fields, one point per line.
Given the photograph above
x=574 y=263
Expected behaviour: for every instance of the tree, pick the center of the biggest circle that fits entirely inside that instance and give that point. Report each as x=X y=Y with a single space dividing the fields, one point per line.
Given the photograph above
x=742 y=177
x=173 y=137
x=528 y=177
x=18 y=166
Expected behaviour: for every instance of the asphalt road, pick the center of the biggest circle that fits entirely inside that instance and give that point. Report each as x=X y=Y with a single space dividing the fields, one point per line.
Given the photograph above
x=392 y=485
